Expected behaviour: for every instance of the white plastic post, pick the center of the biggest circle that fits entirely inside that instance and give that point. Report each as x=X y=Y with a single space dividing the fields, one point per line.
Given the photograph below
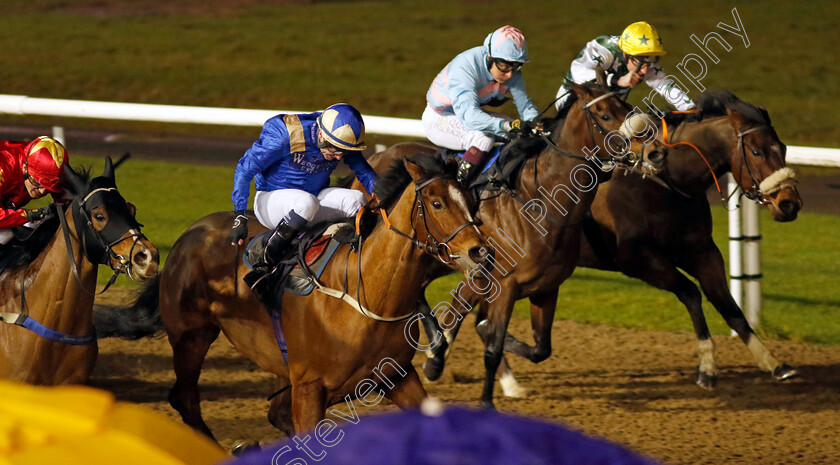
x=58 y=134
x=752 y=262
x=735 y=284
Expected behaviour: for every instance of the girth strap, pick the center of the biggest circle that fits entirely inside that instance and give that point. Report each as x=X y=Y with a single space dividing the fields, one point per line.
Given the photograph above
x=21 y=319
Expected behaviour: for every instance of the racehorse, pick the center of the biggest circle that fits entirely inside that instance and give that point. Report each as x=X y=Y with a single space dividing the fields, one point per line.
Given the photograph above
x=332 y=349
x=538 y=225
x=651 y=232
x=47 y=292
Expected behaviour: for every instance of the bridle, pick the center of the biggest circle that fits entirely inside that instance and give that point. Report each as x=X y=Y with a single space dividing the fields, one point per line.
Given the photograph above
x=754 y=193
x=98 y=245
x=439 y=249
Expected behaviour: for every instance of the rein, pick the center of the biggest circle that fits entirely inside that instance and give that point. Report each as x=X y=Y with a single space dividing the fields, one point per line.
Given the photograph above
x=439 y=249
x=696 y=149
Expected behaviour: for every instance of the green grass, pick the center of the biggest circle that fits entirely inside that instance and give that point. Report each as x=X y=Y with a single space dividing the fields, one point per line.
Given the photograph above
x=382 y=55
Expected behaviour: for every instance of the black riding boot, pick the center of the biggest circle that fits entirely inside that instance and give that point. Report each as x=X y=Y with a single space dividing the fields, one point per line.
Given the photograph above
x=273 y=249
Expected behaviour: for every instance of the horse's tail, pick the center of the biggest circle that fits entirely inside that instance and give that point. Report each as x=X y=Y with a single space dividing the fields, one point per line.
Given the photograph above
x=140 y=319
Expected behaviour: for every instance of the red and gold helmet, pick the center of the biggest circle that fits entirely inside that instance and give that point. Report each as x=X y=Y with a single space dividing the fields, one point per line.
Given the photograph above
x=45 y=158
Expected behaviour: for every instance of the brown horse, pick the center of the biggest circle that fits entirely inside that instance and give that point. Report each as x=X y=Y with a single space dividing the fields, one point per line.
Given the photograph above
x=334 y=353
x=536 y=227
x=650 y=232
x=48 y=290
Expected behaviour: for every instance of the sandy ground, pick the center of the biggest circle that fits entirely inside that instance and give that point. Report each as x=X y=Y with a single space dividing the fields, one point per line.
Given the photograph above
x=629 y=386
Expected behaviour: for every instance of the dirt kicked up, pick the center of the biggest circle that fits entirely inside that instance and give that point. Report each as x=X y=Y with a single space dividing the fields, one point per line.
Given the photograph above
x=629 y=386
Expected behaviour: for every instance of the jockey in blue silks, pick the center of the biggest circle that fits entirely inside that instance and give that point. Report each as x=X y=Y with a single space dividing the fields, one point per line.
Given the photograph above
x=476 y=77
x=291 y=165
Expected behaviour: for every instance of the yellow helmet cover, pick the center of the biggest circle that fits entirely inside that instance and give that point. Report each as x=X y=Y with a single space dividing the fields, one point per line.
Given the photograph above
x=641 y=39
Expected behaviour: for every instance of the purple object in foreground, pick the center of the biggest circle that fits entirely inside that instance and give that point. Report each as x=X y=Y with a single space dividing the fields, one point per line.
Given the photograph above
x=452 y=436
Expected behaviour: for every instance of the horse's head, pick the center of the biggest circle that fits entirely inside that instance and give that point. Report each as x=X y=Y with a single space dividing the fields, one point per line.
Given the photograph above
x=758 y=163
x=106 y=228
x=594 y=124
x=442 y=213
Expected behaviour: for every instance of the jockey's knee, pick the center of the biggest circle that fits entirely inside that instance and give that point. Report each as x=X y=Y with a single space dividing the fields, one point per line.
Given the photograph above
x=306 y=206
x=353 y=202
x=480 y=140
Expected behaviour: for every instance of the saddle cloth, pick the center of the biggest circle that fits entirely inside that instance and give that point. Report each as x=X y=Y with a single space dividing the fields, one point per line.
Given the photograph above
x=316 y=257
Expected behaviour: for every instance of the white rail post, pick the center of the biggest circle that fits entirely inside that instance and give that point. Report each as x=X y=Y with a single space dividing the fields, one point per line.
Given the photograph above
x=735 y=283
x=58 y=134
x=752 y=262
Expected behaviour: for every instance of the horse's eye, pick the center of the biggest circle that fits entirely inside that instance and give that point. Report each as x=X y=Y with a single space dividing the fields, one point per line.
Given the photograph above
x=606 y=117
x=437 y=205
x=757 y=153
x=99 y=216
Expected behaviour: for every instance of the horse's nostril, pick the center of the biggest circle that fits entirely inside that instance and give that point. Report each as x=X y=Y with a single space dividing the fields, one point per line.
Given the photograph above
x=481 y=254
x=141 y=258
x=656 y=156
x=788 y=207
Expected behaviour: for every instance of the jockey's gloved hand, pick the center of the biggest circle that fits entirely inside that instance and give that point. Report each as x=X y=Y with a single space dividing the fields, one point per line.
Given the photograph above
x=39 y=214
x=465 y=171
x=239 y=232
x=519 y=126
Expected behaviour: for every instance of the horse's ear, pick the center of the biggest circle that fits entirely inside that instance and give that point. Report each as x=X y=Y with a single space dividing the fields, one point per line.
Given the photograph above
x=765 y=114
x=76 y=183
x=583 y=92
x=109 y=169
x=414 y=170
x=735 y=119
x=600 y=76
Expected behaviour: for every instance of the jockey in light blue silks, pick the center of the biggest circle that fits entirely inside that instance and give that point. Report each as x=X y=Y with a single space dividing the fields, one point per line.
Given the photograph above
x=291 y=165
x=476 y=77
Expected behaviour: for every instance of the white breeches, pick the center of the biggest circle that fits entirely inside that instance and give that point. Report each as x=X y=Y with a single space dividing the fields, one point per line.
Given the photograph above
x=331 y=204
x=447 y=131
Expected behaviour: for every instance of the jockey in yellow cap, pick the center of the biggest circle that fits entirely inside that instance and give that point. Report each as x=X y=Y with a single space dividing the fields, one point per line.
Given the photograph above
x=627 y=59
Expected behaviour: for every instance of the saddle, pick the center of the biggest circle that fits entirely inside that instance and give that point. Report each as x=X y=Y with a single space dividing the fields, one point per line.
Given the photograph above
x=305 y=258
x=303 y=262
x=504 y=165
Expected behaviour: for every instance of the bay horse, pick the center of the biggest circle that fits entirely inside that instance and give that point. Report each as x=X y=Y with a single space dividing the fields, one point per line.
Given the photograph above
x=332 y=349
x=650 y=232
x=536 y=227
x=47 y=290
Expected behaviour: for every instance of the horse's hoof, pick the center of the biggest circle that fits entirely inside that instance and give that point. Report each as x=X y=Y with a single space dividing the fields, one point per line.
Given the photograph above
x=705 y=380
x=433 y=368
x=486 y=405
x=784 y=372
x=243 y=447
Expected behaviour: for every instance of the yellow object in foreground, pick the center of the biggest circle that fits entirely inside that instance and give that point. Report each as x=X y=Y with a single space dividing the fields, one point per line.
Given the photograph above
x=82 y=425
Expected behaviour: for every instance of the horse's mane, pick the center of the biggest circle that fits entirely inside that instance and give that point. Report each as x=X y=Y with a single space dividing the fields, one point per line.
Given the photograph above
x=390 y=185
x=550 y=123
x=715 y=103
x=18 y=253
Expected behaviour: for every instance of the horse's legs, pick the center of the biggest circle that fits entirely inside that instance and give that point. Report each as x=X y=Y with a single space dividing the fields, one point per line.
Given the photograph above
x=436 y=355
x=655 y=269
x=543 y=305
x=708 y=267
x=463 y=304
x=280 y=409
x=510 y=386
x=189 y=350
x=308 y=405
x=409 y=391
x=498 y=317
